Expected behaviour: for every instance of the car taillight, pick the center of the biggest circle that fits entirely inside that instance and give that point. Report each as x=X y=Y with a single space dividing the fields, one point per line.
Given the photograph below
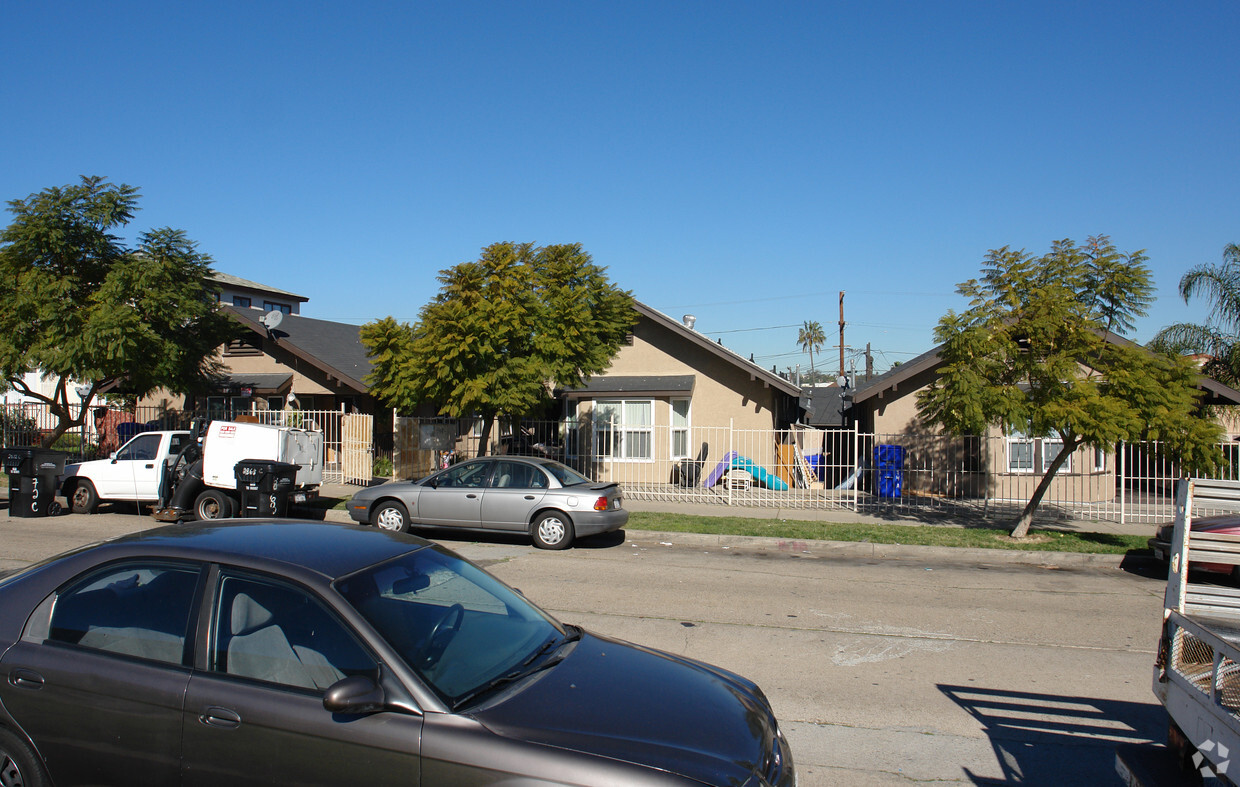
x=601 y=504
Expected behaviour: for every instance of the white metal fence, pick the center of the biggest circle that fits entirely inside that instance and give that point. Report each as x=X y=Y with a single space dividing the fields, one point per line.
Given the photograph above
x=348 y=452
x=895 y=476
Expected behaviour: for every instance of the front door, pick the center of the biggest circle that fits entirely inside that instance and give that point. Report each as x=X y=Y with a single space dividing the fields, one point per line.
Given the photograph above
x=255 y=716
x=455 y=499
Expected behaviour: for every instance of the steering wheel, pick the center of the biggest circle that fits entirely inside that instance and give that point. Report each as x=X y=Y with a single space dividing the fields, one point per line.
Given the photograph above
x=441 y=634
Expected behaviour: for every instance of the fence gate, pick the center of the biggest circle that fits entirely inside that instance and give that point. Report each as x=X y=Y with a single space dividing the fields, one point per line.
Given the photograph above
x=356 y=448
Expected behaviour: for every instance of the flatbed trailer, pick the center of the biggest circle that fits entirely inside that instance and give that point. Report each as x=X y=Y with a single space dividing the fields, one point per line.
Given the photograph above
x=1197 y=671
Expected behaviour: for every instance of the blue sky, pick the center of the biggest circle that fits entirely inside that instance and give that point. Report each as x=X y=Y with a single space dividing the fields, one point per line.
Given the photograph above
x=743 y=162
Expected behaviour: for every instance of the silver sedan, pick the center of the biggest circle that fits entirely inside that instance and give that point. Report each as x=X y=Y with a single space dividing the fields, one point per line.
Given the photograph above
x=552 y=502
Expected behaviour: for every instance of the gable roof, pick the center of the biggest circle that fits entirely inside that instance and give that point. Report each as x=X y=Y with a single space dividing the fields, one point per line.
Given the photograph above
x=228 y=280
x=333 y=347
x=891 y=381
x=754 y=371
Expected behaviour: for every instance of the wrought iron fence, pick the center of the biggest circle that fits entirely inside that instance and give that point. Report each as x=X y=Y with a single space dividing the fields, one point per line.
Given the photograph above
x=104 y=429
x=895 y=475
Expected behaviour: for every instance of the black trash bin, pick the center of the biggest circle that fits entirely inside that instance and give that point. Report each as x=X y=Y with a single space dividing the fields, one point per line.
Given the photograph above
x=264 y=486
x=32 y=479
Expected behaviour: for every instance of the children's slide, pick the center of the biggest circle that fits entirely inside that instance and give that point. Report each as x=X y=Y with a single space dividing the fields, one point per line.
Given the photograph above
x=719 y=470
x=760 y=475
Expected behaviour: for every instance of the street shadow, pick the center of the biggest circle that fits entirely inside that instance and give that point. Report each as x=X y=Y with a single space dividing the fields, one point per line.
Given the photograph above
x=1050 y=738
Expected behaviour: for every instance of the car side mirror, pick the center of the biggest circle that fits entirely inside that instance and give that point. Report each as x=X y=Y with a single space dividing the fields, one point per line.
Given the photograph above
x=354 y=695
x=112 y=456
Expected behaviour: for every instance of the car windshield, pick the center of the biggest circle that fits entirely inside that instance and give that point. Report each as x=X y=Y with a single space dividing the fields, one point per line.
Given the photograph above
x=566 y=475
x=458 y=627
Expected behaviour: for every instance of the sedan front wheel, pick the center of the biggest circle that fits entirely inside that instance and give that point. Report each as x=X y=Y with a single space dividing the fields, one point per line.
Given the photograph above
x=391 y=516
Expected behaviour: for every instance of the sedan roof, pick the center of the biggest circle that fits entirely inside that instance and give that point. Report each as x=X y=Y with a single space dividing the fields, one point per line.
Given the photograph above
x=328 y=548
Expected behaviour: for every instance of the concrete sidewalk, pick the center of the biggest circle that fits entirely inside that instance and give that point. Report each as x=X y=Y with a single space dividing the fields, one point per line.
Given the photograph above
x=856 y=550
x=935 y=518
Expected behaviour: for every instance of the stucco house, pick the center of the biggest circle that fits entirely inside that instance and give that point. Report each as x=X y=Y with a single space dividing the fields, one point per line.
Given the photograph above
x=671 y=395
x=991 y=466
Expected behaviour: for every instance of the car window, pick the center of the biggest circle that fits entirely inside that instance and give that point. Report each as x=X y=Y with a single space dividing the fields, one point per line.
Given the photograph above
x=470 y=474
x=143 y=447
x=176 y=443
x=276 y=633
x=135 y=609
x=566 y=475
x=453 y=623
x=517 y=475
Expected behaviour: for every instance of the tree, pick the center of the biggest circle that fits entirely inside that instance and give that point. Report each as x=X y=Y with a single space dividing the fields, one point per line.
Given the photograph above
x=502 y=332
x=79 y=305
x=811 y=338
x=1219 y=335
x=1038 y=352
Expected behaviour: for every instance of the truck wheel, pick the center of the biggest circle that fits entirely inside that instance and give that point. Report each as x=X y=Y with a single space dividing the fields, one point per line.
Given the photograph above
x=392 y=516
x=552 y=530
x=83 y=499
x=213 y=504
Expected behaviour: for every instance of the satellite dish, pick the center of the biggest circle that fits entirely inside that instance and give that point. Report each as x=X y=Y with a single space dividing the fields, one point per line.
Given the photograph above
x=272 y=318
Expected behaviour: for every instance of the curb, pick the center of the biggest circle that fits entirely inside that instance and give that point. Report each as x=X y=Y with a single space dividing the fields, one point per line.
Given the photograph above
x=813 y=549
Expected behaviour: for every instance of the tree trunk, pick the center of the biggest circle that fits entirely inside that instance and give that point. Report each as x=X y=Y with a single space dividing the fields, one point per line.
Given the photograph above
x=1026 y=517
x=484 y=440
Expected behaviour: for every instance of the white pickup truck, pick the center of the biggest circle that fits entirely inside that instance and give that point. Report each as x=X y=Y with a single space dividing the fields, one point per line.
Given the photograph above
x=158 y=467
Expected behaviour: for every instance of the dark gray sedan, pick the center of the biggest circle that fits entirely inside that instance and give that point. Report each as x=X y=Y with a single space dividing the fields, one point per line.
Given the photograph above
x=552 y=502
x=288 y=652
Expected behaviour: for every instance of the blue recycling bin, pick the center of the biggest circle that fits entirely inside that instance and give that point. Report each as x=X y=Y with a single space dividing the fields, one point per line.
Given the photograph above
x=889 y=459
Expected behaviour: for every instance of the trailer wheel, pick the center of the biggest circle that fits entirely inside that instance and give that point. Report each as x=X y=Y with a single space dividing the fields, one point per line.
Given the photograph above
x=82 y=498
x=213 y=504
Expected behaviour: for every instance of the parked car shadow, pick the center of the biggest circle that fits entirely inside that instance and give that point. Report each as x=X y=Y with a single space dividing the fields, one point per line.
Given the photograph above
x=601 y=541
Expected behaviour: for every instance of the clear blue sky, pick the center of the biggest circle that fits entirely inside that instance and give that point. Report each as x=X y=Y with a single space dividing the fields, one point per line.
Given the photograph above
x=743 y=162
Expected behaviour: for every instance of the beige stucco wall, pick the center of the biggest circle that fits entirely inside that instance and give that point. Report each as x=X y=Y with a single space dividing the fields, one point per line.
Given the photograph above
x=729 y=409
x=975 y=467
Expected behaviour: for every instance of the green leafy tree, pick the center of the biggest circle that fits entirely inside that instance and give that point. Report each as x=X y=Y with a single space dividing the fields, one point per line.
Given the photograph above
x=1038 y=352
x=80 y=307
x=811 y=337
x=1219 y=336
x=501 y=333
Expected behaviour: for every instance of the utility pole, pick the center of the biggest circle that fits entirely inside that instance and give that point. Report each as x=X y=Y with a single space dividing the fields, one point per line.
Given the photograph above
x=841 y=333
x=869 y=362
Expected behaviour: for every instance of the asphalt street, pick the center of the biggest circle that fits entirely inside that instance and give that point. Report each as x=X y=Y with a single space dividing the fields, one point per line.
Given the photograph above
x=886 y=665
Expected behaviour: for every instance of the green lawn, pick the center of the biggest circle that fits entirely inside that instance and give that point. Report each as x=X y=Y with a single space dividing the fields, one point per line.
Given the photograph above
x=925 y=535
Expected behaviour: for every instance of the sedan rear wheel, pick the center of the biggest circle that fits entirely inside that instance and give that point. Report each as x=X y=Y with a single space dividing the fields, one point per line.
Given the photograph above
x=552 y=530
x=19 y=767
x=392 y=516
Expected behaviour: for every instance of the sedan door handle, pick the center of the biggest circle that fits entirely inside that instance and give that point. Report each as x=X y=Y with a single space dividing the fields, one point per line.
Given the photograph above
x=220 y=717
x=529 y=497
x=471 y=496
x=26 y=679
x=150 y=465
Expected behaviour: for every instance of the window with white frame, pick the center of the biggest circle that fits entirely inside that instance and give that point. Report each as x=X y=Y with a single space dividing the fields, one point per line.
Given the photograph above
x=680 y=428
x=624 y=429
x=1034 y=454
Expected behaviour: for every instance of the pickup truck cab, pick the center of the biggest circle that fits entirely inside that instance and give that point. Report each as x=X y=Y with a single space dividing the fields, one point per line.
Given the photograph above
x=133 y=472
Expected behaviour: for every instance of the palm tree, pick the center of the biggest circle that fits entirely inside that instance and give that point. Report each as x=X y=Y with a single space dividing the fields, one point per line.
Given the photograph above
x=811 y=337
x=1219 y=336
